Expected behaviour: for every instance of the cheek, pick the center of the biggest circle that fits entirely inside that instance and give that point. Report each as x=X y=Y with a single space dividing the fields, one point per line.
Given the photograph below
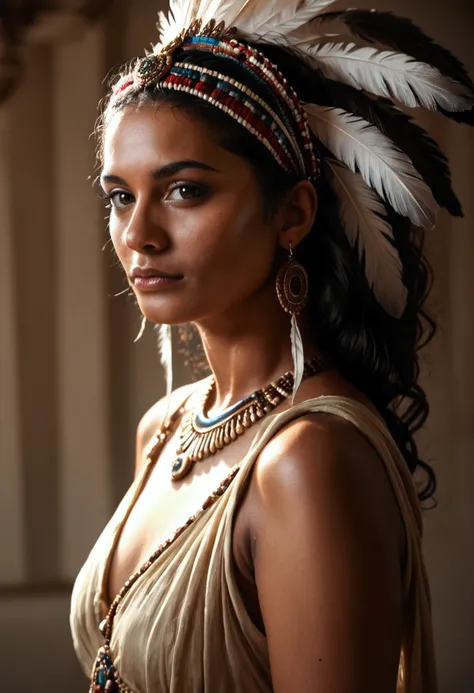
x=233 y=246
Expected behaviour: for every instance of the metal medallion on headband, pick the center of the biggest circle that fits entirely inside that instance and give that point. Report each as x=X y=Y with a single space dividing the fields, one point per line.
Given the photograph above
x=155 y=67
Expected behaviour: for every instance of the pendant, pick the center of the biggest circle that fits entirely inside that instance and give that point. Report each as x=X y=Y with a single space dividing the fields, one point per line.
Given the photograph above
x=103 y=677
x=181 y=467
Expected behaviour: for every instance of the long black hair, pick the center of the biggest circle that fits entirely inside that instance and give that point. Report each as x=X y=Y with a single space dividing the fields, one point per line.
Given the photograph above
x=379 y=354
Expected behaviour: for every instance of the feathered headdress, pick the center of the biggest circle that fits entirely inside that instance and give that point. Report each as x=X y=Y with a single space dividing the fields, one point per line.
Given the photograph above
x=374 y=62
x=370 y=65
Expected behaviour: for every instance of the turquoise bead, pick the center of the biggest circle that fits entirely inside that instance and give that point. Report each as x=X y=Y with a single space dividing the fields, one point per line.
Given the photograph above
x=101 y=677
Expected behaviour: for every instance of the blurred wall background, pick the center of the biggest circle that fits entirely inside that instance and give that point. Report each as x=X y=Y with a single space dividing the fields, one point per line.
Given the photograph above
x=74 y=385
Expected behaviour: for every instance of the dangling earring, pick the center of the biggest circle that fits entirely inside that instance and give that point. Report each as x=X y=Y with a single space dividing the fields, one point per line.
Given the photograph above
x=292 y=289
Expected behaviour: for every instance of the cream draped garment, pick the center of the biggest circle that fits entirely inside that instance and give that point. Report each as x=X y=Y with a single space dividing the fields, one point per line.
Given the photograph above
x=183 y=627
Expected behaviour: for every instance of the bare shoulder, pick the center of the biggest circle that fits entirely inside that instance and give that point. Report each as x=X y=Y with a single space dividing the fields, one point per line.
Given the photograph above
x=324 y=461
x=152 y=420
x=326 y=553
x=313 y=444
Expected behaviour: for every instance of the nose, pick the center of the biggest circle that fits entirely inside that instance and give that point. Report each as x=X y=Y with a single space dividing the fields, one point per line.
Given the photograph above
x=144 y=234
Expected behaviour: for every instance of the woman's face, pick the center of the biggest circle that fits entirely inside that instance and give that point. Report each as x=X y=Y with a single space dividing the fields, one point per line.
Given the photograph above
x=185 y=208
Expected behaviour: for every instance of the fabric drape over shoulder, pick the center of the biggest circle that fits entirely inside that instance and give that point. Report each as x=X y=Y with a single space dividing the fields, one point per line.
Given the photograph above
x=184 y=627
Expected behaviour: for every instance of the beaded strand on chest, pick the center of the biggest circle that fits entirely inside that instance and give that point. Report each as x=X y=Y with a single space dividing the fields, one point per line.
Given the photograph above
x=105 y=677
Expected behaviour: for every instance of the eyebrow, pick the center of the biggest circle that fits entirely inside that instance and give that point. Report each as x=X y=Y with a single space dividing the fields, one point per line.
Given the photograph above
x=164 y=172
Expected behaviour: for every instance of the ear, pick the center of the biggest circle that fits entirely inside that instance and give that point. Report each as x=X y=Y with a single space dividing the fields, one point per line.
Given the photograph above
x=297 y=213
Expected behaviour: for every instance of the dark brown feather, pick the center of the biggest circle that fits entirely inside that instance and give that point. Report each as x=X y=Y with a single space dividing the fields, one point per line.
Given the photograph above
x=428 y=159
x=406 y=134
x=401 y=34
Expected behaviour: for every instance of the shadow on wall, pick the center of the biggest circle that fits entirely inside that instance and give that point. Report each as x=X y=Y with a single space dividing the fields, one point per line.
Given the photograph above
x=36 y=653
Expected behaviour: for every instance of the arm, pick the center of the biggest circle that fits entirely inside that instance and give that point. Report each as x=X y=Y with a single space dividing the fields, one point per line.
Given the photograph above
x=327 y=557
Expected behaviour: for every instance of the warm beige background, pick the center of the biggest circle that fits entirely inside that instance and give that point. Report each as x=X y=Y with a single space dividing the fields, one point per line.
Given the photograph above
x=73 y=385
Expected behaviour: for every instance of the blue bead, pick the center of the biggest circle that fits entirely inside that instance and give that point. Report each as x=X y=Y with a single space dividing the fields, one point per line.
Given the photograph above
x=177 y=466
x=101 y=678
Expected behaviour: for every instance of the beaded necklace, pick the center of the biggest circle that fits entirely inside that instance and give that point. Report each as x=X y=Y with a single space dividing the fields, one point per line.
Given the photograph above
x=105 y=678
x=201 y=436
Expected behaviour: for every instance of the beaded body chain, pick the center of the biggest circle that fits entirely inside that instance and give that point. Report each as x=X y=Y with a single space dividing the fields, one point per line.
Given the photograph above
x=105 y=677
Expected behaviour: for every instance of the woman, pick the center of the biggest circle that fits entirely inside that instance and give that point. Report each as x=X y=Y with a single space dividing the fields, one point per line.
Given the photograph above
x=264 y=189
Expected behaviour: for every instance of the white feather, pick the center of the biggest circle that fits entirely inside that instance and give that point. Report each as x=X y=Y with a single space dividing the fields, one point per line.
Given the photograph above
x=255 y=19
x=180 y=16
x=163 y=26
x=185 y=11
x=168 y=29
x=165 y=348
x=310 y=34
x=297 y=352
x=306 y=37
x=228 y=11
x=384 y=167
x=393 y=75
x=313 y=32
x=269 y=20
x=362 y=215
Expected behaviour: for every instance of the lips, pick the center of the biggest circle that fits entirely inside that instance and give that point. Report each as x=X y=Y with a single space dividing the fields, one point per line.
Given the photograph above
x=150 y=279
x=149 y=272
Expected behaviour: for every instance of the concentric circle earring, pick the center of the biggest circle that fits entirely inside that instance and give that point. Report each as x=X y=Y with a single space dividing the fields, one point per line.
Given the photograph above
x=292 y=287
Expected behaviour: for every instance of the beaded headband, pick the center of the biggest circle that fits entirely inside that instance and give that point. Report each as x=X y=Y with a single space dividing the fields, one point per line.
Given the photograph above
x=278 y=132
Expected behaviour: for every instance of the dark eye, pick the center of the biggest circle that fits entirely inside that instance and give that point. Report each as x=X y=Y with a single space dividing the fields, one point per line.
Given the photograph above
x=186 y=191
x=120 y=199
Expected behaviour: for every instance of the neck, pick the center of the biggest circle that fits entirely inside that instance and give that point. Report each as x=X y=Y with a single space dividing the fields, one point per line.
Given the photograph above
x=249 y=348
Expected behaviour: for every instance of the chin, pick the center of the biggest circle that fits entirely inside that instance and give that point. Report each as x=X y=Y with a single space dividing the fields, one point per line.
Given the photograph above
x=161 y=311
